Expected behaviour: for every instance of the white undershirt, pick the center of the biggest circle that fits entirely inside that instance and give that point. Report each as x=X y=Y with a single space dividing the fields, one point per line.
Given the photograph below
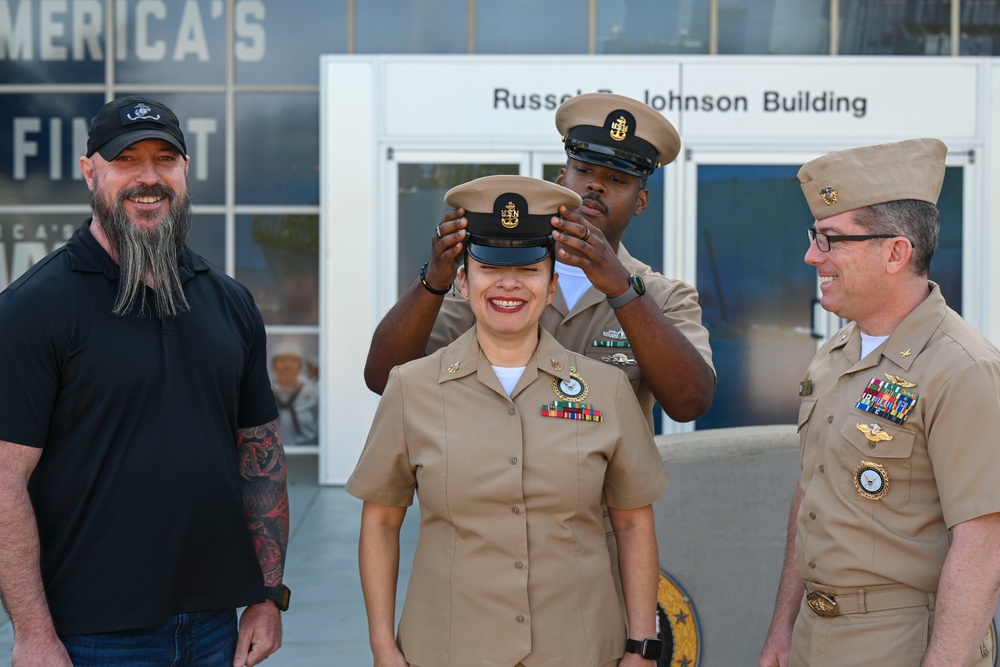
x=869 y=343
x=573 y=282
x=508 y=376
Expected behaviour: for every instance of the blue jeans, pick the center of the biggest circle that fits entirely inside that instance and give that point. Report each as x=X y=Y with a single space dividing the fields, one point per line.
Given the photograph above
x=199 y=639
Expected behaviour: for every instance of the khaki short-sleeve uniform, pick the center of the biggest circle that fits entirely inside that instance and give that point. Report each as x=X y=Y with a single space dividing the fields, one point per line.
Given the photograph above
x=934 y=464
x=591 y=317
x=511 y=564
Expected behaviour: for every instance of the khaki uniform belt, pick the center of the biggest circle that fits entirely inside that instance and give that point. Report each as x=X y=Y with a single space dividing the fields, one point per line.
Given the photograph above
x=830 y=601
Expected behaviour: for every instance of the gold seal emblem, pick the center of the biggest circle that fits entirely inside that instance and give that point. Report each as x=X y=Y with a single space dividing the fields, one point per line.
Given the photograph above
x=871 y=480
x=509 y=217
x=619 y=129
x=678 y=625
x=828 y=195
x=573 y=389
x=874 y=433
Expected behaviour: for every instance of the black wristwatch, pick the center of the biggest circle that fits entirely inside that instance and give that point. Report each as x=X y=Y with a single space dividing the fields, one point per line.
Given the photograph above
x=648 y=649
x=280 y=595
x=636 y=288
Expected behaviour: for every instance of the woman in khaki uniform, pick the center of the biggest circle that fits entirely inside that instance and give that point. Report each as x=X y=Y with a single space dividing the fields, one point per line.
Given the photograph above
x=511 y=443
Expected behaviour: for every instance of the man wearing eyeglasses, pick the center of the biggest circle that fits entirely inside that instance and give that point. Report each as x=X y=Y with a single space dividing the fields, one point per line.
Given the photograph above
x=893 y=550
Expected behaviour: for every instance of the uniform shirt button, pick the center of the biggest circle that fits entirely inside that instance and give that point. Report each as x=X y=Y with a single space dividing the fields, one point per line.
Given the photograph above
x=829 y=419
x=518 y=564
x=513 y=461
x=519 y=619
x=812 y=515
x=812 y=565
x=822 y=468
x=515 y=510
x=511 y=411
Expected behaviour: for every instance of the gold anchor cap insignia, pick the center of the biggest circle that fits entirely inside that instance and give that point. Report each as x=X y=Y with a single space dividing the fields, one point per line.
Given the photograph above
x=510 y=216
x=874 y=433
x=828 y=195
x=895 y=379
x=619 y=129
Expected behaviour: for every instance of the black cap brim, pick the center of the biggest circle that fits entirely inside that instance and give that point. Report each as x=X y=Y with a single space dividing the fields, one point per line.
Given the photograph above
x=114 y=148
x=608 y=159
x=508 y=256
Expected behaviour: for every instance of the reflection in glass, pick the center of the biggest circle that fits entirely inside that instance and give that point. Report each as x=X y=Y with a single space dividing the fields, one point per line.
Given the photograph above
x=292 y=362
x=652 y=26
x=755 y=291
x=25 y=239
x=946 y=268
x=277 y=149
x=774 y=27
x=412 y=26
x=421 y=206
x=277 y=257
x=176 y=42
x=208 y=238
x=286 y=47
x=525 y=26
x=643 y=238
x=69 y=49
x=980 y=24
x=895 y=27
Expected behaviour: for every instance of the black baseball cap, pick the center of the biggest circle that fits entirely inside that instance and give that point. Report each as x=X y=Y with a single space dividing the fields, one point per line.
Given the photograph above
x=510 y=217
x=122 y=122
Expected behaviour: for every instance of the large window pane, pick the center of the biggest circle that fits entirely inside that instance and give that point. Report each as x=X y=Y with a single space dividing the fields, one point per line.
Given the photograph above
x=277 y=149
x=293 y=364
x=980 y=28
x=52 y=42
x=277 y=257
x=525 y=26
x=25 y=239
x=42 y=140
x=280 y=43
x=774 y=27
x=412 y=26
x=946 y=268
x=755 y=291
x=652 y=26
x=169 y=41
x=208 y=238
x=895 y=27
x=421 y=206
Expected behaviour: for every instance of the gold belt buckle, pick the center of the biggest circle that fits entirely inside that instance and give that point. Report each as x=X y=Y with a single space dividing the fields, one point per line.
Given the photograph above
x=823 y=604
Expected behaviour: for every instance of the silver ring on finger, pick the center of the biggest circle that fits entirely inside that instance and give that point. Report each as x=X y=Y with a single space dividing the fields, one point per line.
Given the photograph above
x=588 y=234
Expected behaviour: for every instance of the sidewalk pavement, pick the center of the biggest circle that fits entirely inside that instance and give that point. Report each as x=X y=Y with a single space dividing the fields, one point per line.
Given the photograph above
x=325 y=624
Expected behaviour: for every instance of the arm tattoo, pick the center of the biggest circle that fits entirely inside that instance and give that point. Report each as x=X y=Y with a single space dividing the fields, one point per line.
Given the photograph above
x=265 y=497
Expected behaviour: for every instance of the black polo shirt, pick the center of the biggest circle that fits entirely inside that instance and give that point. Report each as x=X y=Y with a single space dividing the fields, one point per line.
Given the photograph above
x=137 y=492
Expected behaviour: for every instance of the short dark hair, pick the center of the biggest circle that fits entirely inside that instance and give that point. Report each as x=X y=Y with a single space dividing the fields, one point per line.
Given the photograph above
x=918 y=221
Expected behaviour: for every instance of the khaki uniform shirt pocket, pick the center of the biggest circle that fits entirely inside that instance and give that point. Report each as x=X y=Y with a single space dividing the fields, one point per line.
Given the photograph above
x=894 y=456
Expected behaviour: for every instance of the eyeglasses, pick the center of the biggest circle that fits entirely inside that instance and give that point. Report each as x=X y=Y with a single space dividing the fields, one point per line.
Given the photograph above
x=823 y=241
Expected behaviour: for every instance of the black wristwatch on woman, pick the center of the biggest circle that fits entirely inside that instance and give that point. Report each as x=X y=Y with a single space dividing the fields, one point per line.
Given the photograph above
x=648 y=649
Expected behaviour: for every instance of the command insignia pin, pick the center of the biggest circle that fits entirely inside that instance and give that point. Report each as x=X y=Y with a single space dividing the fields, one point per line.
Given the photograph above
x=573 y=389
x=874 y=433
x=895 y=379
x=905 y=353
x=871 y=480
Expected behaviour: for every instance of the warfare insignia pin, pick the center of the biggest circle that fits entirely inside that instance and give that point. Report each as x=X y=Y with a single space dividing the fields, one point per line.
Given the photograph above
x=895 y=379
x=573 y=389
x=871 y=480
x=829 y=195
x=874 y=433
x=619 y=359
x=615 y=335
x=510 y=216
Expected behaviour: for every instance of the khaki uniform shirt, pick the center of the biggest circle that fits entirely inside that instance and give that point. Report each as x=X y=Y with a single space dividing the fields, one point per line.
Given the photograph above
x=592 y=319
x=941 y=465
x=511 y=564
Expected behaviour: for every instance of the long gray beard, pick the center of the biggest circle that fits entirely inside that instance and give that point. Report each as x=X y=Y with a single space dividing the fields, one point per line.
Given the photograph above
x=148 y=253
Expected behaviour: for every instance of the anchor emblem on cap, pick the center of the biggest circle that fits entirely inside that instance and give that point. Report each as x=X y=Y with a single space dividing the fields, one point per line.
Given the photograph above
x=141 y=111
x=509 y=217
x=829 y=195
x=619 y=129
